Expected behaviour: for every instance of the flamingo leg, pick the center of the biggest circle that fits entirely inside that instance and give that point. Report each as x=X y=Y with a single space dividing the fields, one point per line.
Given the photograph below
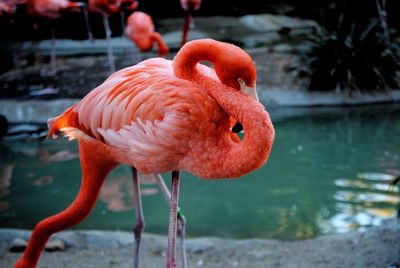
x=181 y=225
x=53 y=62
x=95 y=167
x=109 y=47
x=172 y=229
x=186 y=27
x=181 y=231
x=122 y=16
x=86 y=16
x=139 y=225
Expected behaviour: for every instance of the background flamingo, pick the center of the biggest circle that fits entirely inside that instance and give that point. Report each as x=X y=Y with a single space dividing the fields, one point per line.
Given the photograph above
x=5 y=8
x=51 y=9
x=140 y=29
x=160 y=116
x=9 y=6
x=108 y=8
x=188 y=6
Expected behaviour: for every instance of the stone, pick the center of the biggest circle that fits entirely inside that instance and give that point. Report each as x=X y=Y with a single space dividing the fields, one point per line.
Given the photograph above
x=55 y=245
x=18 y=245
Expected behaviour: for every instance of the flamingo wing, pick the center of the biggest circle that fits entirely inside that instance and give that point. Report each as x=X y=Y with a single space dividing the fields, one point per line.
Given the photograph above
x=148 y=113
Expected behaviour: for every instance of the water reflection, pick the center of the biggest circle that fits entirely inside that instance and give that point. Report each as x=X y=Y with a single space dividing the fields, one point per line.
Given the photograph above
x=364 y=201
x=329 y=172
x=5 y=178
x=117 y=191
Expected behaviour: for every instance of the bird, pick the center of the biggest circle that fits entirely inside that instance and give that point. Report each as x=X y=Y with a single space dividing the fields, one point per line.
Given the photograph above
x=188 y=6
x=51 y=9
x=5 y=8
x=108 y=8
x=163 y=116
x=9 y=6
x=140 y=29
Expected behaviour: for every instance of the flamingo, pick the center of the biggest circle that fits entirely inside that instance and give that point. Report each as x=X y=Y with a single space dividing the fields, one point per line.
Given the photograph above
x=163 y=116
x=9 y=6
x=5 y=8
x=51 y=9
x=108 y=8
x=140 y=29
x=188 y=6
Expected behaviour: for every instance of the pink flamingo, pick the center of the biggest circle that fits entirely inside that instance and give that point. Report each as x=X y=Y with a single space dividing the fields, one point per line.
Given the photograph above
x=140 y=29
x=5 y=8
x=51 y=9
x=188 y=6
x=108 y=8
x=9 y=6
x=160 y=116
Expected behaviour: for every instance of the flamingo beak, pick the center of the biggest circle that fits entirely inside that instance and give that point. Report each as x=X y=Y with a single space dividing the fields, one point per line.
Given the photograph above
x=250 y=90
x=238 y=127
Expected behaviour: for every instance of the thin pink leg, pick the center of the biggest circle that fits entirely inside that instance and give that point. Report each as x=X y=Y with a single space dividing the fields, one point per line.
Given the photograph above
x=95 y=167
x=173 y=210
x=109 y=47
x=122 y=16
x=181 y=225
x=181 y=235
x=53 y=53
x=86 y=16
x=139 y=225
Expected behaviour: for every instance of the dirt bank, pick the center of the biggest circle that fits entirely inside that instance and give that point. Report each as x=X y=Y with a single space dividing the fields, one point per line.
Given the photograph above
x=377 y=247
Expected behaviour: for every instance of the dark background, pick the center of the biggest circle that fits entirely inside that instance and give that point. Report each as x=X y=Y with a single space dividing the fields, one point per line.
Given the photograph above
x=327 y=12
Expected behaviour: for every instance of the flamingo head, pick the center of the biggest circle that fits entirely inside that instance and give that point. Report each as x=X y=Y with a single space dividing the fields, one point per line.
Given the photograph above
x=190 y=5
x=237 y=74
x=143 y=42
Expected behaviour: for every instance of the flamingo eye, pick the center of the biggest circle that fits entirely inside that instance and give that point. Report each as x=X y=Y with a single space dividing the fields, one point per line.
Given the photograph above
x=241 y=82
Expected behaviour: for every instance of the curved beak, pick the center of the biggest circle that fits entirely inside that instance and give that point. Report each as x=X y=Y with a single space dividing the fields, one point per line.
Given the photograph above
x=252 y=91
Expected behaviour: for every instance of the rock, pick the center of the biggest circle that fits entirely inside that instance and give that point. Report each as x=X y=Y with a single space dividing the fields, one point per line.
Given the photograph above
x=283 y=48
x=18 y=245
x=268 y=22
x=55 y=245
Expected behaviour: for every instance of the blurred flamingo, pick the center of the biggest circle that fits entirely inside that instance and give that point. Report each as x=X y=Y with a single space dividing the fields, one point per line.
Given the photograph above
x=9 y=6
x=140 y=29
x=160 y=116
x=5 y=8
x=51 y=9
x=188 y=6
x=108 y=8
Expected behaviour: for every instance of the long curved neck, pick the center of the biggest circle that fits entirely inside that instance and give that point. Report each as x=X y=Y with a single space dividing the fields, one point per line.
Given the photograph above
x=192 y=53
x=235 y=159
x=162 y=47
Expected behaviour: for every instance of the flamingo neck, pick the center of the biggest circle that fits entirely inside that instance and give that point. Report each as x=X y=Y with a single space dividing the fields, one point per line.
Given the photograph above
x=162 y=47
x=233 y=159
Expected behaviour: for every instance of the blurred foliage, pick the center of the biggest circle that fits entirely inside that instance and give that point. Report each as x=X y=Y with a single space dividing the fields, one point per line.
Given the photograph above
x=360 y=54
x=356 y=61
x=325 y=12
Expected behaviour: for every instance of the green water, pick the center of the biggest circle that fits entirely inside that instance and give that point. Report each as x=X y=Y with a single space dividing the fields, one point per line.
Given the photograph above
x=328 y=173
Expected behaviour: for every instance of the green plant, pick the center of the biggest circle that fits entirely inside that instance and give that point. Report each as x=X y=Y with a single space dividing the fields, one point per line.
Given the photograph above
x=354 y=59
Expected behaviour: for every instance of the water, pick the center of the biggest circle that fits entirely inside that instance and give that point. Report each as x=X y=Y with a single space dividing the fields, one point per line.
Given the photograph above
x=328 y=173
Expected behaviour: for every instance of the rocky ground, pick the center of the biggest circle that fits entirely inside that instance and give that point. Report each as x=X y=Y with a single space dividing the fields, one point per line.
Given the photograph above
x=377 y=247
